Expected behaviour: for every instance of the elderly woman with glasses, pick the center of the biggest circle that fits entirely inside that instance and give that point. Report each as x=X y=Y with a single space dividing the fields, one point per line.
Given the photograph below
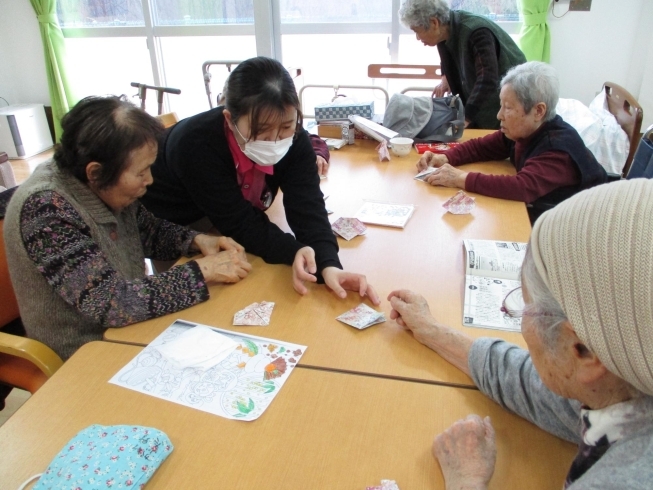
x=551 y=160
x=587 y=318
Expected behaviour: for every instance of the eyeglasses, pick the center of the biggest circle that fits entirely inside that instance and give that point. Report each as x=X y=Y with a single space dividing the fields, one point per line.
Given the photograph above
x=513 y=304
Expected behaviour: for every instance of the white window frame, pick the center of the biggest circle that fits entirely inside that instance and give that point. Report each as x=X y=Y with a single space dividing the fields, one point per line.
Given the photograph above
x=267 y=30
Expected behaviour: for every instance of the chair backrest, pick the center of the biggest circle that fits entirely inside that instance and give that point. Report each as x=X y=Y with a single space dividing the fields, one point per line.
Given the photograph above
x=8 y=304
x=628 y=113
x=168 y=119
x=26 y=363
x=424 y=72
x=420 y=72
x=642 y=165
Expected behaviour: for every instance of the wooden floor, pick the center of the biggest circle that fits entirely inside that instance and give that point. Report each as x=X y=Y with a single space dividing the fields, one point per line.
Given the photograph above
x=24 y=168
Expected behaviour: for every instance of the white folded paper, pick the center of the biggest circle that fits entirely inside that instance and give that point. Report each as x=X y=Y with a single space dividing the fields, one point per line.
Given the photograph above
x=198 y=347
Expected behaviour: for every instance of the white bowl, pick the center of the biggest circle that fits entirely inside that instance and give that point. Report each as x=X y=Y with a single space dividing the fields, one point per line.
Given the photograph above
x=401 y=146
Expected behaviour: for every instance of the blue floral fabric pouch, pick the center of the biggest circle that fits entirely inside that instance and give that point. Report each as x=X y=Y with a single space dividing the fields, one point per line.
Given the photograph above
x=114 y=456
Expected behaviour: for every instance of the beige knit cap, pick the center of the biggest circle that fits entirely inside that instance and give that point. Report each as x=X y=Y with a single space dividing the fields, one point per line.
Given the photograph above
x=595 y=253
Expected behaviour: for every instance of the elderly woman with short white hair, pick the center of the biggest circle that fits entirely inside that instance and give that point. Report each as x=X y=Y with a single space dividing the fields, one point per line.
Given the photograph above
x=474 y=54
x=587 y=318
x=551 y=160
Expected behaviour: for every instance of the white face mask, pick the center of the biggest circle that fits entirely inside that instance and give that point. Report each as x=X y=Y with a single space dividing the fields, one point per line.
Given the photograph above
x=266 y=153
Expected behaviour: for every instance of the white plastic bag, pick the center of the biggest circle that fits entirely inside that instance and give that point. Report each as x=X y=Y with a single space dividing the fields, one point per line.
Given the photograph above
x=614 y=145
x=598 y=129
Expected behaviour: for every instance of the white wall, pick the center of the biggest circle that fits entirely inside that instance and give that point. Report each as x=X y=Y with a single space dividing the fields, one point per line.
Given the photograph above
x=22 y=64
x=608 y=43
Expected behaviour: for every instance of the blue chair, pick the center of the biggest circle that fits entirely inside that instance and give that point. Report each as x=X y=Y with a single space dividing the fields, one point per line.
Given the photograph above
x=642 y=166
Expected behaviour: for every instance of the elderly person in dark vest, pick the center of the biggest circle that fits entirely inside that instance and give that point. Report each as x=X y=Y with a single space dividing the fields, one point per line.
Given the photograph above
x=475 y=54
x=551 y=159
x=586 y=307
x=77 y=237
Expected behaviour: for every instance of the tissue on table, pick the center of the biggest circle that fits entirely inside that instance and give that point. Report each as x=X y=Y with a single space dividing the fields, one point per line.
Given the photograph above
x=198 y=347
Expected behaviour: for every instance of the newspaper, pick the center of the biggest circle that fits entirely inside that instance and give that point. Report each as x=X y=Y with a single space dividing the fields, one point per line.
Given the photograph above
x=491 y=272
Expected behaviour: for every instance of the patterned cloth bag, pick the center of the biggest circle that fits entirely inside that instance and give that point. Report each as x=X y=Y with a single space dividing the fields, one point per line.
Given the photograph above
x=115 y=456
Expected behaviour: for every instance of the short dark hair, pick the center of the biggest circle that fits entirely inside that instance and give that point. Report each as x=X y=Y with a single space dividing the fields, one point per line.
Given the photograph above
x=261 y=87
x=104 y=130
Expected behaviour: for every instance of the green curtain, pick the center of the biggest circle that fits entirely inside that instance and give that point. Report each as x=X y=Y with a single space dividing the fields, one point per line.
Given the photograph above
x=55 y=53
x=535 y=40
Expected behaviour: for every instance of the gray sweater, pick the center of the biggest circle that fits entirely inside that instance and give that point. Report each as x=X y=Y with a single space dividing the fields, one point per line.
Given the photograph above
x=78 y=268
x=505 y=373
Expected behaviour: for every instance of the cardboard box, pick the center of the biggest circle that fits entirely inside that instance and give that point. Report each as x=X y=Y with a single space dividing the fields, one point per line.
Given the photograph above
x=337 y=130
x=335 y=111
x=330 y=130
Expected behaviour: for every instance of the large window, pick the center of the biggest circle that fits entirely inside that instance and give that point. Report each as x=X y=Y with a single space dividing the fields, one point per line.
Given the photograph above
x=203 y=12
x=497 y=10
x=112 y=43
x=100 y=13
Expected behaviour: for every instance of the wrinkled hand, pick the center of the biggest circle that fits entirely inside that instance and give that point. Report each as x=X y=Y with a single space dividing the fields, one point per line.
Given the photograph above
x=441 y=89
x=227 y=266
x=447 y=176
x=430 y=159
x=467 y=453
x=303 y=269
x=209 y=244
x=411 y=311
x=339 y=281
x=322 y=166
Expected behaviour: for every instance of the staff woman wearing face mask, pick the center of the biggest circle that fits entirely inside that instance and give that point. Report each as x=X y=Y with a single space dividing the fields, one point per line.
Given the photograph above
x=225 y=167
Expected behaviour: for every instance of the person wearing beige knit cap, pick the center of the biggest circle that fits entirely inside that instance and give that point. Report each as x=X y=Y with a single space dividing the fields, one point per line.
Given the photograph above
x=586 y=305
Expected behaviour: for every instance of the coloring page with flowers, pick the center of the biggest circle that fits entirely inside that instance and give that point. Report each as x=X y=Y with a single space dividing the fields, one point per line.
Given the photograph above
x=226 y=373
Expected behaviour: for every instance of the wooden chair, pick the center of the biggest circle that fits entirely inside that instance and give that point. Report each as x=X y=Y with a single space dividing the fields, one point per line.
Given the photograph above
x=625 y=108
x=642 y=165
x=168 y=119
x=420 y=72
x=24 y=363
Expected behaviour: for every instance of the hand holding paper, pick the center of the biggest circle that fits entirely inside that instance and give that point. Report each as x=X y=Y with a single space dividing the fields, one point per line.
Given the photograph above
x=430 y=159
x=448 y=176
